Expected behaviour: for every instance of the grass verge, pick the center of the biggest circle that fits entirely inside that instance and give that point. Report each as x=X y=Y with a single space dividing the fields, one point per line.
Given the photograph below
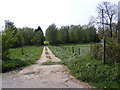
x=17 y=59
x=51 y=63
x=86 y=69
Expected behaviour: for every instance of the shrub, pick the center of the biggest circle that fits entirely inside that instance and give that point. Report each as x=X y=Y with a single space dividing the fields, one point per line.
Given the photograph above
x=112 y=50
x=93 y=71
x=96 y=50
x=8 y=37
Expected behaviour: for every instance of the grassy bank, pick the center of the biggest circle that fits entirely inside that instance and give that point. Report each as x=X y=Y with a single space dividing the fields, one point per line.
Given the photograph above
x=86 y=69
x=17 y=59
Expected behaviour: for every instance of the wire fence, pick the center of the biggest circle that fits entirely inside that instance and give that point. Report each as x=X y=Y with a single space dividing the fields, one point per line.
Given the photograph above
x=77 y=50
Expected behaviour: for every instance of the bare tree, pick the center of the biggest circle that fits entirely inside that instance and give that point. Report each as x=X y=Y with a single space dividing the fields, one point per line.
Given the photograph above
x=92 y=21
x=110 y=14
x=118 y=36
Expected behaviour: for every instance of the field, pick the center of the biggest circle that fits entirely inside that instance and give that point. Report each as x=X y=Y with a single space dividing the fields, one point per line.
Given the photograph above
x=87 y=69
x=17 y=59
x=84 y=49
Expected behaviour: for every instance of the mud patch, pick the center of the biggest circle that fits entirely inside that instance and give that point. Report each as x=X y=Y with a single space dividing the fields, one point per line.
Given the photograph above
x=48 y=57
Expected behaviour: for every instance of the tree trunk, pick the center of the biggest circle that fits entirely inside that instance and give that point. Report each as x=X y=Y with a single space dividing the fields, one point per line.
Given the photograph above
x=118 y=22
x=110 y=29
x=118 y=32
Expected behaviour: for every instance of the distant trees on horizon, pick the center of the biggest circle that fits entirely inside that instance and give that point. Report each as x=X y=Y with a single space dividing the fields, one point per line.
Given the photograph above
x=71 y=34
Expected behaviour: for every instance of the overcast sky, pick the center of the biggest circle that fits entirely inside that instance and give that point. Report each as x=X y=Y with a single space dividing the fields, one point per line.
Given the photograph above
x=34 y=13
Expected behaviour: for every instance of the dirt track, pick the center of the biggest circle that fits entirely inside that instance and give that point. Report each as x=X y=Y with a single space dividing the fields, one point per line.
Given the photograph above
x=43 y=76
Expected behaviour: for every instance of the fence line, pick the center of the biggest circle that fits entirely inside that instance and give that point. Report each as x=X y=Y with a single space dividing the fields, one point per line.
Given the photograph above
x=71 y=49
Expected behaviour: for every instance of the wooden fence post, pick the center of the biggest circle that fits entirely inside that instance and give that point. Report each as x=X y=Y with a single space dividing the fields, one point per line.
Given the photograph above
x=72 y=49
x=78 y=51
x=104 y=46
x=69 y=49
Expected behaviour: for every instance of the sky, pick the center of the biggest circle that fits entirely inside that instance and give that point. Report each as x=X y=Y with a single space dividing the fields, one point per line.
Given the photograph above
x=34 y=13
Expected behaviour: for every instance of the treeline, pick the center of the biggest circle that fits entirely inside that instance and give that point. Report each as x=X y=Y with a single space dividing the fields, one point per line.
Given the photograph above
x=71 y=34
x=13 y=37
x=30 y=36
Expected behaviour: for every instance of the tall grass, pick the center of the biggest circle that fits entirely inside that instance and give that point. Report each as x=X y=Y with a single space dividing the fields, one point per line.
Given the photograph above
x=17 y=59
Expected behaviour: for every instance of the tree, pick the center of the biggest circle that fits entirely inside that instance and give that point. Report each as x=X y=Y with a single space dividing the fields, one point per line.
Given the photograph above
x=78 y=34
x=118 y=35
x=38 y=36
x=39 y=29
x=89 y=34
x=8 y=39
x=0 y=45
x=109 y=12
x=51 y=34
x=92 y=21
x=63 y=35
x=8 y=24
x=72 y=34
x=27 y=34
x=30 y=36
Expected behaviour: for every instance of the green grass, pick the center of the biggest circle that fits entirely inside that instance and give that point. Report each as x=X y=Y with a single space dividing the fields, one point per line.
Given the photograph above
x=30 y=56
x=64 y=55
x=51 y=63
x=87 y=69
x=84 y=48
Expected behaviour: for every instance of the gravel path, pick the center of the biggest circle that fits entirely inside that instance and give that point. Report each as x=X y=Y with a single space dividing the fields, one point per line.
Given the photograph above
x=43 y=76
